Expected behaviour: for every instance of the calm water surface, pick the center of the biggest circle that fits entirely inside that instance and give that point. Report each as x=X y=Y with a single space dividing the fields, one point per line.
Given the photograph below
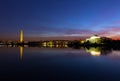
x=59 y=64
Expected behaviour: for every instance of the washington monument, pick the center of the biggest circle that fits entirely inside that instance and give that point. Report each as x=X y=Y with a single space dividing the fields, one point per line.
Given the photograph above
x=21 y=36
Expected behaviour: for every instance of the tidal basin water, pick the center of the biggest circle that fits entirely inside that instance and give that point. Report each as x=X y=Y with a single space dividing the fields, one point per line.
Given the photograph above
x=59 y=64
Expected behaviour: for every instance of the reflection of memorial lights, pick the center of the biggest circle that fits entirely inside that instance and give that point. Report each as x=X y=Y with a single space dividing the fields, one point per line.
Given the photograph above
x=66 y=46
x=44 y=44
x=50 y=46
x=57 y=46
x=94 y=53
x=21 y=52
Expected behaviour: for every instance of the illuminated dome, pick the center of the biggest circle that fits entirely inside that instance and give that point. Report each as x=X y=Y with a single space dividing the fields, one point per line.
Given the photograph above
x=94 y=39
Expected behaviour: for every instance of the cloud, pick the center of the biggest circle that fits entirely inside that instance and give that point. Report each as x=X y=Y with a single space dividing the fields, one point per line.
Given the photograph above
x=45 y=32
x=110 y=31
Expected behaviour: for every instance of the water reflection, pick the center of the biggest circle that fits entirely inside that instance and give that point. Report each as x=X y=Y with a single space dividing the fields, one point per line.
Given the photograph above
x=94 y=51
x=97 y=51
x=59 y=62
x=21 y=52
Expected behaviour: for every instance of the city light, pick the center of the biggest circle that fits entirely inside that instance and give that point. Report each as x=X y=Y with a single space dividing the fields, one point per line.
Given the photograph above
x=94 y=53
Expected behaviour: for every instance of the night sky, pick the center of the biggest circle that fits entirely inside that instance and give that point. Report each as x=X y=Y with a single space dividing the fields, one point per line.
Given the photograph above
x=59 y=19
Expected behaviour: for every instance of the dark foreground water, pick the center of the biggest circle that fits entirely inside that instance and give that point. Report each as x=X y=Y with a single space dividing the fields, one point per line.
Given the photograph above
x=59 y=64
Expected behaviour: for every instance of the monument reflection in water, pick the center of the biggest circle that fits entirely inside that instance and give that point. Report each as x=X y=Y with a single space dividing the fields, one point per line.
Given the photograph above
x=21 y=52
x=97 y=51
x=56 y=63
x=94 y=51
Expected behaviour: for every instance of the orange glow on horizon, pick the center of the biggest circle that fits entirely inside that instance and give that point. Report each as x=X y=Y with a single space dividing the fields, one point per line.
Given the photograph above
x=115 y=38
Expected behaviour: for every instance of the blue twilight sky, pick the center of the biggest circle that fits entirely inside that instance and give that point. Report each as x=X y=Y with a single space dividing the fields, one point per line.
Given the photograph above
x=63 y=19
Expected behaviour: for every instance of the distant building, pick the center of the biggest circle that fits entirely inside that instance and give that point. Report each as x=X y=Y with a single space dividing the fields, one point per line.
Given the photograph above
x=98 y=40
x=94 y=39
